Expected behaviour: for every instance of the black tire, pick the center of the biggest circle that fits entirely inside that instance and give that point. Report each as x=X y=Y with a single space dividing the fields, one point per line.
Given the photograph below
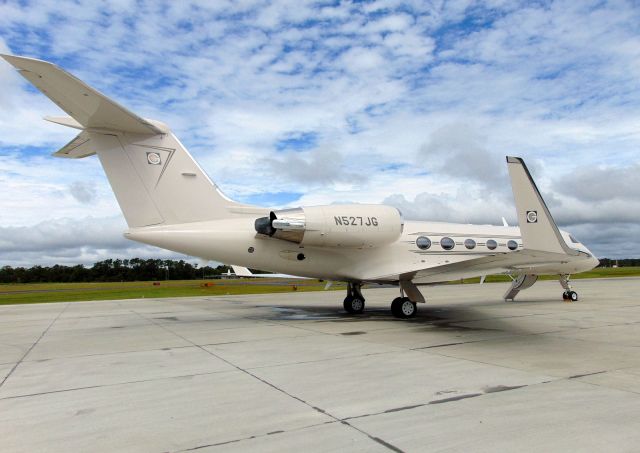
x=565 y=295
x=402 y=307
x=353 y=305
x=573 y=296
x=395 y=307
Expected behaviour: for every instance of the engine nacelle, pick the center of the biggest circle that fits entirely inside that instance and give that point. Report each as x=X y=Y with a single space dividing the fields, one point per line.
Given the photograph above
x=341 y=225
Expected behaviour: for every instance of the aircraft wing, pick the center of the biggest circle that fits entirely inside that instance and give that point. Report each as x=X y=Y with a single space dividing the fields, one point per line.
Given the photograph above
x=543 y=244
x=518 y=262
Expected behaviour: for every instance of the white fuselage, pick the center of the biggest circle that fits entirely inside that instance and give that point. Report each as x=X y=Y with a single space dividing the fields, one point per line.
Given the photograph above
x=235 y=241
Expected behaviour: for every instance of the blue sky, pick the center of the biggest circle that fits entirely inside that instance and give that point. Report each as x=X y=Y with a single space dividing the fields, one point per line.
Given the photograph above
x=291 y=103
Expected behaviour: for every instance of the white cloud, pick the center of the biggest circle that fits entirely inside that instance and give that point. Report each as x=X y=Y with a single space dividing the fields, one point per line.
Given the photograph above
x=323 y=166
x=460 y=150
x=83 y=191
x=82 y=240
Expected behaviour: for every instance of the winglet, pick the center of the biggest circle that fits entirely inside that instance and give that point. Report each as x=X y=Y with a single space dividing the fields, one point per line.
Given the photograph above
x=88 y=107
x=538 y=229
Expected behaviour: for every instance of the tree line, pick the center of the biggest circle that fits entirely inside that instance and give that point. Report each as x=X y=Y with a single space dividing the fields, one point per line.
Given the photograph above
x=135 y=269
x=627 y=262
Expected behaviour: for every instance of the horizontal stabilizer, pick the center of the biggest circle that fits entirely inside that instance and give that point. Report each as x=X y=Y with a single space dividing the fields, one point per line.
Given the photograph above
x=64 y=121
x=88 y=107
x=538 y=229
x=77 y=148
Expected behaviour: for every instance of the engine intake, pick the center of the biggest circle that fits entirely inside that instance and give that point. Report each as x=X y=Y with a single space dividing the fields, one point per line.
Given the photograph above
x=348 y=225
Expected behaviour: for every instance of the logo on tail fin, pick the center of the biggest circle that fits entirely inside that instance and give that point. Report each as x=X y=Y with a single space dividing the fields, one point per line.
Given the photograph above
x=532 y=216
x=154 y=159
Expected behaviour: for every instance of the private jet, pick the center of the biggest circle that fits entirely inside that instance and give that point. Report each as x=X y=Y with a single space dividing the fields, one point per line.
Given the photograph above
x=168 y=201
x=240 y=271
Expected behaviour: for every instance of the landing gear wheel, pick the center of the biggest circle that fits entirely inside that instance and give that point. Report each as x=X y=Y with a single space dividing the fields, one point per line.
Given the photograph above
x=402 y=307
x=353 y=305
x=354 y=302
x=569 y=295
x=395 y=307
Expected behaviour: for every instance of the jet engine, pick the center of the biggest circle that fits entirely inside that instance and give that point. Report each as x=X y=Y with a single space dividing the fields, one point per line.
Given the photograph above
x=343 y=225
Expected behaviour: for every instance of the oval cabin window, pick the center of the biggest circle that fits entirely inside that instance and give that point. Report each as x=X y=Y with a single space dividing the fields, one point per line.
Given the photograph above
x=491 y=244
x=513 y=245
x=447 y=243
x=470 y=244
x=423 y=243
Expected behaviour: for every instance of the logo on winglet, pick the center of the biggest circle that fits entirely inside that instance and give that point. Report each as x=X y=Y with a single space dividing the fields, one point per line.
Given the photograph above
x=532 y=216
x=153 y=159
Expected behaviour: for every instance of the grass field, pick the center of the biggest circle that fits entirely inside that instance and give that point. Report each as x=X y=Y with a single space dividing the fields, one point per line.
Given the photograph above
x=29 y=293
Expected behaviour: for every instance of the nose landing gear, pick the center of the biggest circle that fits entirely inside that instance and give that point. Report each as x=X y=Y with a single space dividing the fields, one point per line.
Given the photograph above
x=569 y=295
x=354 y=302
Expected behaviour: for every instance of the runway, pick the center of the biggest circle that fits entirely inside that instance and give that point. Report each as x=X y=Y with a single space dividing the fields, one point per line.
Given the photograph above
x=292 y=371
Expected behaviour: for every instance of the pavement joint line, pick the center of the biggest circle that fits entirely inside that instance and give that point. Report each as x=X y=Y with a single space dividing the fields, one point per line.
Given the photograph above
x=275 y=387
x=33 y=345
x=518 y=336
x=277 y=365
x=257 y=436
x=553 y=378
x=549 y=332
x=482 y=362
x=272 y=322
x=99 y=354
x=317 y=332
x=564 y=336
x=450 y=344
x=115 y=384
x=576 y=376
x=451 y=399
x=594 y=384
x=320 y=332
x=8 y=363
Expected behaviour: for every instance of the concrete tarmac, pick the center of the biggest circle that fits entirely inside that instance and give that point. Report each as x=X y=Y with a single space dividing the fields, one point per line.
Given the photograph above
x=286 y=372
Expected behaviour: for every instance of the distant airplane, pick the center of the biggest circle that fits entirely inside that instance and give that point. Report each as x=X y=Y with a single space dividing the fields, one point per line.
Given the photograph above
x=168 y=201
x=240 y=271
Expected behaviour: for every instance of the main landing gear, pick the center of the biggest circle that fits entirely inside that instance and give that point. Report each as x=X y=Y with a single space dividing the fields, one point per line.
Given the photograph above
x=402 y=307
x=569 y=295
x=354 y=302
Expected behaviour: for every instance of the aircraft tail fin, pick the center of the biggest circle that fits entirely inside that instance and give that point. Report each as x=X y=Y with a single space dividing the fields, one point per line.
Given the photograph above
x=154 y=178
x=537 y=227
x=87 y=106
